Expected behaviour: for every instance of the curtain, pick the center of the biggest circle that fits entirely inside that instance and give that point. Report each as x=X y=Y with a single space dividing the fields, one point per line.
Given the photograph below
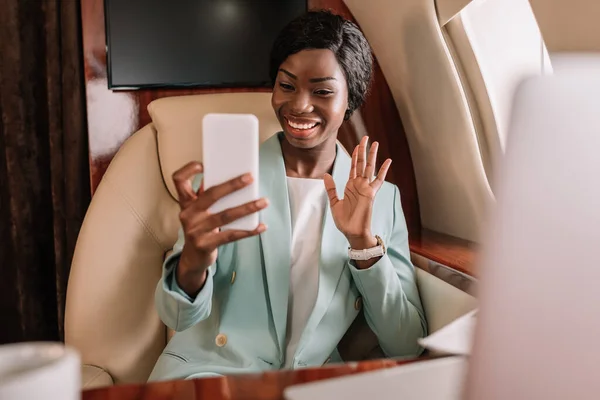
x=44 y=169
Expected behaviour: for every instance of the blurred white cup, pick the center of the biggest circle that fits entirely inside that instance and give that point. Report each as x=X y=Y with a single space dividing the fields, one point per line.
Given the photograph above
x=39 y=370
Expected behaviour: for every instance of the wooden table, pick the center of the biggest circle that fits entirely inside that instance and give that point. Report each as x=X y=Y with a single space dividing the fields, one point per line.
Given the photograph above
x=266 y=386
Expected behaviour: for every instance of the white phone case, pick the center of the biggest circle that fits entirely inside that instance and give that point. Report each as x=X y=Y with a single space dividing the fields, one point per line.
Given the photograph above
x=230 y=149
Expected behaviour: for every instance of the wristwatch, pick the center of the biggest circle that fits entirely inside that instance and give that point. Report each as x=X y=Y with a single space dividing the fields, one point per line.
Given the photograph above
x=367 y=254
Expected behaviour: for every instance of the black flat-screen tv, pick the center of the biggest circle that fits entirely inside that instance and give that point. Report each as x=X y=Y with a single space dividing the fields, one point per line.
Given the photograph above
x=193 y=43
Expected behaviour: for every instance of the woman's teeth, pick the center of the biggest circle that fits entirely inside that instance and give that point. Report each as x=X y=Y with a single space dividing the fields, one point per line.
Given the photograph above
x=302 y=126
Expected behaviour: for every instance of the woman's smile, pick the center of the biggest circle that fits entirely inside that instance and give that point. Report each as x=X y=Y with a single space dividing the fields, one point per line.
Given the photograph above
x=301 y=128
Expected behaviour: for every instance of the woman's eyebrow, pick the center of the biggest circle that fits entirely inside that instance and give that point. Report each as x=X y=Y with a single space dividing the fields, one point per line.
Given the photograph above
x=326 y=78
x=312 y=80
x=288 y=73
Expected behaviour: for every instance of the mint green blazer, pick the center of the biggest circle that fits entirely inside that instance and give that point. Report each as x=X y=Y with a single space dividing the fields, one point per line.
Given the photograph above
x=237 y=323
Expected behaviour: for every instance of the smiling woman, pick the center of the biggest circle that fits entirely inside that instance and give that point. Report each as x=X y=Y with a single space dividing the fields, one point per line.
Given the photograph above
x=311 y=101
x=333 y=238
x=321 y=68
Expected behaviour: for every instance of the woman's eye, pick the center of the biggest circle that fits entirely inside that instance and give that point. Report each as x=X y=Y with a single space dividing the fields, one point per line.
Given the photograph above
x=285 y=86
x=323 y=92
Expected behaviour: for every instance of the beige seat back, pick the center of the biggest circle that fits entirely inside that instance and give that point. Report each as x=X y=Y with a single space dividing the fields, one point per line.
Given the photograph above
x=452 y=66
x=130 y=225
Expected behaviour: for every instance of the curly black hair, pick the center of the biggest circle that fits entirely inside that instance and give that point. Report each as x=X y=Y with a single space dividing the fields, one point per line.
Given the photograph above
x=325 y=30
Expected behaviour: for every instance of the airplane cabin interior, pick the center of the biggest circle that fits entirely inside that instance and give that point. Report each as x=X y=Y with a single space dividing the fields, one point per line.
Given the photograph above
x=482 y=240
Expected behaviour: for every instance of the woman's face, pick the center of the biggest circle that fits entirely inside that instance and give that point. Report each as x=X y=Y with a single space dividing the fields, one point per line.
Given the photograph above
x=310 y=97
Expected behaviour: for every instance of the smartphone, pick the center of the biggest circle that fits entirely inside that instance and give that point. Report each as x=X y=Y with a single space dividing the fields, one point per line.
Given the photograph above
x=230 y=149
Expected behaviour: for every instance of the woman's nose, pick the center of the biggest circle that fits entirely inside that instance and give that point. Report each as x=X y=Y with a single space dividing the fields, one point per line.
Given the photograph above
x=301 y=104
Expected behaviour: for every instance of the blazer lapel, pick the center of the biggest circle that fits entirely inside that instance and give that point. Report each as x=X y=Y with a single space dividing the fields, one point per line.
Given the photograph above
x=276 y=240
x=334 y=251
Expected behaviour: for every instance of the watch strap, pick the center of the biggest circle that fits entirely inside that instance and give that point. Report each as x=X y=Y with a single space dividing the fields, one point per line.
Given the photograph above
x=367 y=254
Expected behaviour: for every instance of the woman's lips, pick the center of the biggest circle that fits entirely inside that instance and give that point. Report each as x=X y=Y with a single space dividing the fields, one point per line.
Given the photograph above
x=301 y=128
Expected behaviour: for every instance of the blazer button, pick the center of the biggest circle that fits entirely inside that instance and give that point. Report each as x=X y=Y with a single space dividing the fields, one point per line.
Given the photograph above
x=221 y=340
x=358 y=303
x=233 y=277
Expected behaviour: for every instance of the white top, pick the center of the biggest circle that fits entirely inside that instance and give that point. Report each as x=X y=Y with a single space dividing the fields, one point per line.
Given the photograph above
x=308 y=200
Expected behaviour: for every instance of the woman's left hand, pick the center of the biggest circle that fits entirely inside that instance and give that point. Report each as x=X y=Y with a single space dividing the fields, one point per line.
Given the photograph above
x=352 y=214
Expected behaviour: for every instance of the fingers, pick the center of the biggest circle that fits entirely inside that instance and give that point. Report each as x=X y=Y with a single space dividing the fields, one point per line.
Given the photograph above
x=331 y=190
x=233 y=214
x=202 y=222
x=210 y=196
x=382 y=173
x=370 y=168
x=213 y=241
x=362 y=156
x=202 y=234
x=182 y=178
x=353 y=164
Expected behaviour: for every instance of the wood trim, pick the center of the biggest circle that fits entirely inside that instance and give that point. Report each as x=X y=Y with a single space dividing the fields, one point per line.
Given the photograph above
x=458 y=254
x=265 y=386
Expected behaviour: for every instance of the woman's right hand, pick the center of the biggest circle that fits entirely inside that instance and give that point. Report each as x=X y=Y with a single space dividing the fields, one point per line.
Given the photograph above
x=201 y=228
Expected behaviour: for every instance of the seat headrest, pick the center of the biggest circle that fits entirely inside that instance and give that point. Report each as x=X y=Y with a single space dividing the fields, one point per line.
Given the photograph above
x=178 y=123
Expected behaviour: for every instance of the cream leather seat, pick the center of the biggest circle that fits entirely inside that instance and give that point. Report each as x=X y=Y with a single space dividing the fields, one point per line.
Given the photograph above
x=452 y=67
x=132 y=223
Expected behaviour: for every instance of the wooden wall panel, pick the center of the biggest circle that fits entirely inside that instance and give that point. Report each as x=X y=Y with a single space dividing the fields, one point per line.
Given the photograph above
x=114 y=116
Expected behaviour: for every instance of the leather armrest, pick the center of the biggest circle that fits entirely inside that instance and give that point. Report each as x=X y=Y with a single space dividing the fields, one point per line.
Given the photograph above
x=94 y=377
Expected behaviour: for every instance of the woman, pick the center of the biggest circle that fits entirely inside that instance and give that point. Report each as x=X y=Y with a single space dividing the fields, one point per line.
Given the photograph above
x=283 y=295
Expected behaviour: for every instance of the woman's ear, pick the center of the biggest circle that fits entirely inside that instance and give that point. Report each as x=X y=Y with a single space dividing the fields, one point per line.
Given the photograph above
x=347 y=115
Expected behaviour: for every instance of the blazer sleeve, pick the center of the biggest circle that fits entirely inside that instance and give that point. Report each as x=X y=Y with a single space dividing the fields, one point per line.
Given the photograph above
x=391 y=299
x=175 y=308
